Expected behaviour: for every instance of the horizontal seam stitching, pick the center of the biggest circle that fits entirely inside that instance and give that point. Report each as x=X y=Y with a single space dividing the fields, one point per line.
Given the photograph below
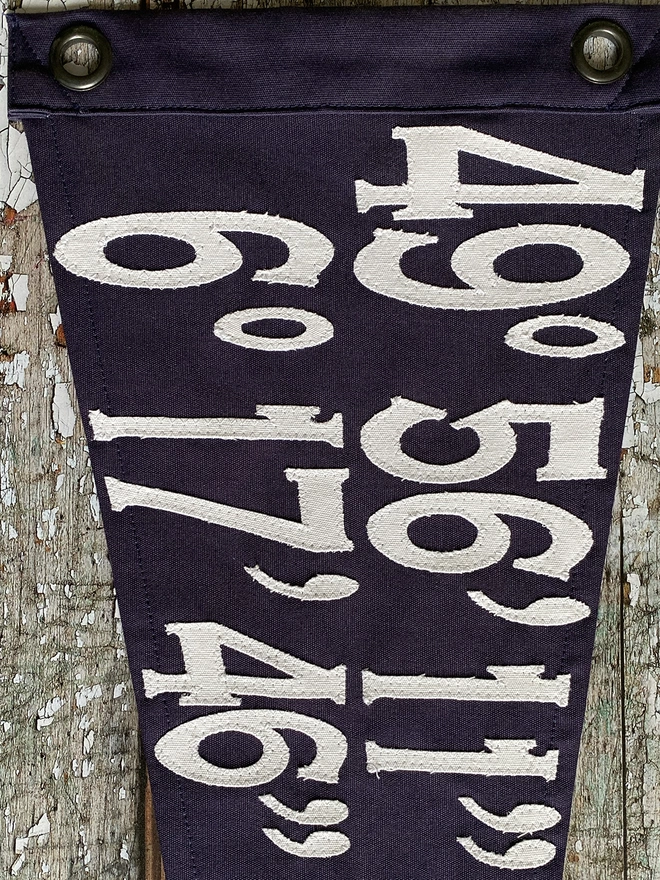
x=175 y=108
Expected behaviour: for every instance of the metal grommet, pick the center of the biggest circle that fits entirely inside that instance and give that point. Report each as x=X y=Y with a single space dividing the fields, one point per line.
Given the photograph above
x=613 y=33
x=96 y=45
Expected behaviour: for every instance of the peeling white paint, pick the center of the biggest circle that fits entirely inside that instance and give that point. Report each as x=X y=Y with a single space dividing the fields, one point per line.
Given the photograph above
x=64 y=416
x=41 y=830
x=20 y=861
x=14 y=369
x=16 y=187
x=7 y=491
x=634 y=584
x=88 y=742
x=55 y=319
x=636 y=389
x=17 y=284
x=650 y=392
x=86 y=694
x=48 y=519
x=51 y=370
x=636 y=511
x=18 y=288
x=95 y=507
x=46 y=713
x=38 y=834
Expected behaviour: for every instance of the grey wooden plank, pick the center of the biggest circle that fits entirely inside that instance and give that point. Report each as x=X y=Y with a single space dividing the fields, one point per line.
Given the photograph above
x=596 y=839
x=68 y=727
x=640 y=488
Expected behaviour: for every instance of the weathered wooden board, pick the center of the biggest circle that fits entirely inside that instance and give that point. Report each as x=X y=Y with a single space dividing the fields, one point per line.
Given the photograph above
x=68 y=729
x=72 y=779
x=69 y=746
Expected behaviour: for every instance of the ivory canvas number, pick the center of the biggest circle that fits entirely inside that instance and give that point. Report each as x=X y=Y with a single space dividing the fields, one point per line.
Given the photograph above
x=351 y=300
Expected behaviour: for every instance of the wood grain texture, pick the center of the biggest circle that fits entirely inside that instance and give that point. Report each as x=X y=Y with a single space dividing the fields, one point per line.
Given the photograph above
x=640 y=548
x=596 y=840
x=68 y=729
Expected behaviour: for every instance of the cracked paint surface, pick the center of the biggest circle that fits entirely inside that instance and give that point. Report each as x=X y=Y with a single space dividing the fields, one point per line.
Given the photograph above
x=17 y=189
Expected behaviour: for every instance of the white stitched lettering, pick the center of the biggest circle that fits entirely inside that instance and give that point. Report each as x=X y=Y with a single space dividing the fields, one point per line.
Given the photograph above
x=573 y=449
x=317 y=845
x=378 y=268
x=207 y=683
x=321 y=526
x=272 y=422
x=435 y=188
x=550 y=611
x=509 y=683
x=523 y=819
x=505 y=757
x=319 y=588
x=521 y=337
x=82 y=250
x=317 y=330
x=178 y=749
x=571 y=537
x=318 y=812
x=525 y=855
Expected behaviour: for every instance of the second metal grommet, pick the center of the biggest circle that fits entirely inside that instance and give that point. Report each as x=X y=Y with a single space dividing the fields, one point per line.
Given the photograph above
x=94 y=51
x=611 y=32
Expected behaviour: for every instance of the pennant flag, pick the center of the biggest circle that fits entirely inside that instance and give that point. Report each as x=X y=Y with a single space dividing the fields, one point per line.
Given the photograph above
x=351 y=299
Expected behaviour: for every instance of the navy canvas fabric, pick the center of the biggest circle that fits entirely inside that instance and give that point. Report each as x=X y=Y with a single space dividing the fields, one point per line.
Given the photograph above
x=264 y=115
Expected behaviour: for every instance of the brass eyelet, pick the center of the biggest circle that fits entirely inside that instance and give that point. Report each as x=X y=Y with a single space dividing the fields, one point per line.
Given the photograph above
x=608 y=30
x=68 y=38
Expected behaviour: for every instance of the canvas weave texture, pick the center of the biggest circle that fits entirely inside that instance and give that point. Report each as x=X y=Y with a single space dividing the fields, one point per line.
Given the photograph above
x=354 y=377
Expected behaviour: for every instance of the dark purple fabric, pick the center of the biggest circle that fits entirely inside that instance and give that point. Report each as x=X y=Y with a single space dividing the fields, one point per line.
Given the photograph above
x=141 y=352
x=438 y=58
